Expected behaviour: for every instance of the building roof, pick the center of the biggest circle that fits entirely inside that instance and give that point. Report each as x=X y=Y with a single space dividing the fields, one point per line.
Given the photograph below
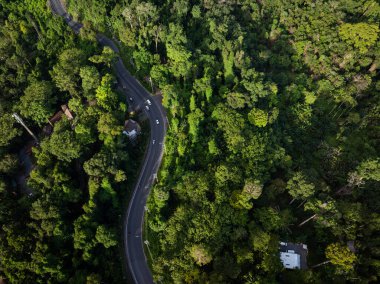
x=56 y=117
x=290 y=260
x=48 y=129
x=293 y=256
x=132 y=133
x=131 y=128
x=67 y=112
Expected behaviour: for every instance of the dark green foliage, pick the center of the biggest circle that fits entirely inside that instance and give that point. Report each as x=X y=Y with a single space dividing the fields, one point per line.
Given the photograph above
x=63 y=225
x=272 y=111
x=274 y=123
x=38 y=101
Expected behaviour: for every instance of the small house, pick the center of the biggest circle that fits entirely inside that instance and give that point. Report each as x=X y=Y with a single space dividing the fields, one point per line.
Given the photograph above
x=48 y=129
x=67 y=112
x=293 y=256
x=131 y=129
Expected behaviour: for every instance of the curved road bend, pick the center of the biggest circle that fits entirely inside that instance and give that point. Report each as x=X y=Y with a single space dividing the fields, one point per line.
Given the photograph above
x=133 y=223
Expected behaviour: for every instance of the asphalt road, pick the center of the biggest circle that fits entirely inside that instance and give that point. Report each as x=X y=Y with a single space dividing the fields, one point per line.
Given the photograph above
x=151 y=106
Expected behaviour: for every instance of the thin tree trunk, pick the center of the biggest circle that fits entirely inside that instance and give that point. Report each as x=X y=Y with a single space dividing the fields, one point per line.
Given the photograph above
x=302 y=203
x=337 y=110
x=342 y=190
x=35 y=27
x=291 y=201
x=157 y=36
x=156 y=42
x=332 y=109
x=307 y=220
x=320 y=264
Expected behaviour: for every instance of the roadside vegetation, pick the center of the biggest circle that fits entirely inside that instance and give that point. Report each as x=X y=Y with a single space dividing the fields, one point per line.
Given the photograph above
x=273 y=109
x=66 y=227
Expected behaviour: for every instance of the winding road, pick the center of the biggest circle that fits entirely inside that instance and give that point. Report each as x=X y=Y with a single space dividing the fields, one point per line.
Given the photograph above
x=141 y=100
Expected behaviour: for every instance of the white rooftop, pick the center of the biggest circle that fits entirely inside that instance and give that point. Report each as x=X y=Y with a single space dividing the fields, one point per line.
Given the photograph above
x=290 y=260
x=130 y=134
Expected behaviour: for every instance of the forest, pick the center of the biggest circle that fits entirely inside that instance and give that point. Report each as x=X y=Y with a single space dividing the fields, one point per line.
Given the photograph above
x=273 y=109
x=63 y=225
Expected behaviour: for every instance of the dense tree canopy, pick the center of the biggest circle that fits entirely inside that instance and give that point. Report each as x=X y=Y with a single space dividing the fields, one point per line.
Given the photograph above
x=273 y=111
x=53 y=225
x=38 y=101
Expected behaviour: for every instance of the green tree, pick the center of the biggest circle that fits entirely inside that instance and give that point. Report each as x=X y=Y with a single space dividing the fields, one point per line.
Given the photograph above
x=341 y=256
x=8 y=163
x=161 y=196
x=65 y=72
x=237 y=100
x=269 y=218
x=107 y=57
x=109 y=125
x=260 y=240
x=299 y=188
x=93 y=279
x=240 y=200
x=62 y=142
x=213 y=147
x=90 y=79
x=258 y=117
x=228 y=61
x=361 y=35
x=200 y=255
x=194 y=119
x=105 y=96
x=105 y=236
x=38 y=101
x=370 y=169
x=253 y=188
x=7 y=127
x=177 y=52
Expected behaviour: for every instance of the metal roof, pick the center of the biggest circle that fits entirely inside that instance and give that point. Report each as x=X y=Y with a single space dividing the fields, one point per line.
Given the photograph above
x=290 y=260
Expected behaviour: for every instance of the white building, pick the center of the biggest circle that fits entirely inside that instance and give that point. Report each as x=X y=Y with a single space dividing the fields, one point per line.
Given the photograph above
x=293 y=256
x=290 y=259
x=131 y=129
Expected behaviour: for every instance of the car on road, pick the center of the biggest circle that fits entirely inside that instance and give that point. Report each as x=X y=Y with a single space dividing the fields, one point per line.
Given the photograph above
x=149 y=102
x=147 y=108
x=154 y=141
x=131 y=99
x=157 y=122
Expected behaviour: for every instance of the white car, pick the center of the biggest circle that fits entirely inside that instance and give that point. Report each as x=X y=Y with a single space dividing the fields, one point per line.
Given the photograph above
x=154 y=141
x=147 y=108
x=149 y=102
x=131 y=99
x=157 y=122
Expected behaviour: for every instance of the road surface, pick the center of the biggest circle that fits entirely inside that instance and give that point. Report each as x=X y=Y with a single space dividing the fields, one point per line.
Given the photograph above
x=143 y=100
